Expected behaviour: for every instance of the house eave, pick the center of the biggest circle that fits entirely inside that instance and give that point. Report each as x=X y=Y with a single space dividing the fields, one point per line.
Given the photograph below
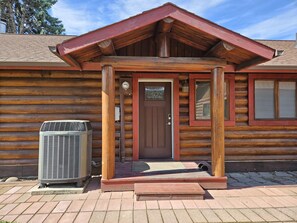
x=14 y=65
x=274 y=67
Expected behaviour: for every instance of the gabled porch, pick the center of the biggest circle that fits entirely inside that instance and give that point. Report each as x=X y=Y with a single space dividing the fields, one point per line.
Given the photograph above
x=157 y=45
x=216 y=179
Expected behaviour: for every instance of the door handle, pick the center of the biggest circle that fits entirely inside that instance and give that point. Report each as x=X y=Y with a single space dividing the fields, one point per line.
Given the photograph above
x=169 y=119
x=169 y=116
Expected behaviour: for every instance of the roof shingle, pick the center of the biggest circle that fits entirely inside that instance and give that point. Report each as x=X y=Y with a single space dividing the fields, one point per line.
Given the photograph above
x=289 y=56
x=29 y=49
x=33 y=49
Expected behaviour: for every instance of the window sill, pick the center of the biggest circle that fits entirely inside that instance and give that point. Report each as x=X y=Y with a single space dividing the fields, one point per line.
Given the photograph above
x=273 y=122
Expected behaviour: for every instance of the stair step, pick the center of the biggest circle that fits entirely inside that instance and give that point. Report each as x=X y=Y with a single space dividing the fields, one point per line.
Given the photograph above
x=168 y=191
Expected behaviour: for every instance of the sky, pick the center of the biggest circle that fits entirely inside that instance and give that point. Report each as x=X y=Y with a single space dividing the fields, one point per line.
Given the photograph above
x=256 y=19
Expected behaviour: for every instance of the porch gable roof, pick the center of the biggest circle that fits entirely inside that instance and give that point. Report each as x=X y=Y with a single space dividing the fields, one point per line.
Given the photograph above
x=211 y=39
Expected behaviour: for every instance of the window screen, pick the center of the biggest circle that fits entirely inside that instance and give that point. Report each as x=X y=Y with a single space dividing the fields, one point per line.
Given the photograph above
x=264 y=99
x=287 y=99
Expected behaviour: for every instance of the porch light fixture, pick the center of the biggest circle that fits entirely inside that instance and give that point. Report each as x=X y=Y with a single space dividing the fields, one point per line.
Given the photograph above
x=125 y=85
x=185 y=86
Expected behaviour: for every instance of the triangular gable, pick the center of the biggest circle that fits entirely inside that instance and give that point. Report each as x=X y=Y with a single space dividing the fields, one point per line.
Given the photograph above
x=256 y=52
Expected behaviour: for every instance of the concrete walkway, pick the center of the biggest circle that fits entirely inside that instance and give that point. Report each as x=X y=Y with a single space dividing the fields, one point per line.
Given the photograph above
x=251 y=197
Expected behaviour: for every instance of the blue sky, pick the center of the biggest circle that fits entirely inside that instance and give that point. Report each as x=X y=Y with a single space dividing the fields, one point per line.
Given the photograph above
x=257 y=19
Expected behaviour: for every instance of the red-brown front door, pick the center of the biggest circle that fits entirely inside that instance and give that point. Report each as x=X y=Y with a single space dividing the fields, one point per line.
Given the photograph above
x=155 y=120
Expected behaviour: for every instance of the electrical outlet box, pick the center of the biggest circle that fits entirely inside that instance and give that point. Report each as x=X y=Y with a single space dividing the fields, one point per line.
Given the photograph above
x=117 y=114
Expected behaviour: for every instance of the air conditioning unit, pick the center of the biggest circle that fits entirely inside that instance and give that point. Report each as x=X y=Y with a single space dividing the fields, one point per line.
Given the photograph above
x=65 y=152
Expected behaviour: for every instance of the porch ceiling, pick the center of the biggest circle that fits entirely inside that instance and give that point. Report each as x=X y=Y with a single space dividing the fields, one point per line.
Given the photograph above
x=210 y=39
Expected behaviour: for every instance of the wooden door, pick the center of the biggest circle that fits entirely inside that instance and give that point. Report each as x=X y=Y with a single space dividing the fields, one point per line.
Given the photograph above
x=155 y=120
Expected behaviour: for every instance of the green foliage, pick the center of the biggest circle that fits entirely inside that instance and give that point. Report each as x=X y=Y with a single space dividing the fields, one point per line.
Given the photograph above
x=30 y=17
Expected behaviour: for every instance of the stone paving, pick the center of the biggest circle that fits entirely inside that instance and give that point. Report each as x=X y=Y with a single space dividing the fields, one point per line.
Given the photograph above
x=250 y=197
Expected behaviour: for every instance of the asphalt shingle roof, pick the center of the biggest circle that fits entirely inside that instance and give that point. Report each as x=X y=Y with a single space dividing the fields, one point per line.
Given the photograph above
x=20 y=49
x=289 y=56
x=29 y=48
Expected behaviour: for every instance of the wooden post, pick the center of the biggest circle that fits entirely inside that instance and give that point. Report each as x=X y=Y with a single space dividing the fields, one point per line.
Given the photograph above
x=217 y=123
x=108 y=122
x=163 y=40
x=163 y=45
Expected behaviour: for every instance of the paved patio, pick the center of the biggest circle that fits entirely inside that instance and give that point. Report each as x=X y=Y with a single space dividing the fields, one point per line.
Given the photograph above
x=251 y=197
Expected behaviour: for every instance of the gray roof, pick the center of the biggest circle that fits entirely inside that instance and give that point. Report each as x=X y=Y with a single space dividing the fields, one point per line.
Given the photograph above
x=289 y=57
x=32 y=50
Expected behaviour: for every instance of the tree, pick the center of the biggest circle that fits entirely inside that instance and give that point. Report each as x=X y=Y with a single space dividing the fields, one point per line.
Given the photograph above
x=30 y=17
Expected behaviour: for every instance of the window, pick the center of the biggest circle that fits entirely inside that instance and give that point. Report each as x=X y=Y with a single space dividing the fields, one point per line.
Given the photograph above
x=264 y=99
x=287 y=99
x=202 y=99
x=272 y=99
x=200 y=105
x=154 y=93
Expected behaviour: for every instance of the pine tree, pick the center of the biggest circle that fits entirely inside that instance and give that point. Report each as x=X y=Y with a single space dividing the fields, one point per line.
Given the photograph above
x=30 y=17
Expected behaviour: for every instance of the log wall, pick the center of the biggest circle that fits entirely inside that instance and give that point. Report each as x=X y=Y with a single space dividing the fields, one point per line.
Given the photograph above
x=27 y=98
x=242 y=142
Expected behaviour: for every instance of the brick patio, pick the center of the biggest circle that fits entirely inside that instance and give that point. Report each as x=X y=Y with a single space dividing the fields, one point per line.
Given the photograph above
x=251 y=197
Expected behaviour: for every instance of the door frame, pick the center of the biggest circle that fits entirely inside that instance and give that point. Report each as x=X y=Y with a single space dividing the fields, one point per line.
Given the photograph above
x=148 y=80
x=157 y=77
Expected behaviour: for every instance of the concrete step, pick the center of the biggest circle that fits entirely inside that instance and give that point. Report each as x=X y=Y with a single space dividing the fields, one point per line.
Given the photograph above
x=168 y=191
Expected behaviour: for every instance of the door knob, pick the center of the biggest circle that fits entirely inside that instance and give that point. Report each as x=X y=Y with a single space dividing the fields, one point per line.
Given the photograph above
x=168 y=123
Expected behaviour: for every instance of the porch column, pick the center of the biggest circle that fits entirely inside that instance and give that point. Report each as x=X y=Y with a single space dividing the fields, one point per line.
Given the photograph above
x=217 y=123
x=108 y=122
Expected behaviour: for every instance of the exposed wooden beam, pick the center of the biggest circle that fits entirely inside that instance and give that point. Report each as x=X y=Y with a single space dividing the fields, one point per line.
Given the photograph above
x=67 y=58
x=221 y=49
x=108 y=120
x=165 y=25
x=217 y=123
x=133 y=40
x=190 y=64
x=188 y=42
x=71 y=61
x=95 y=66
x=107 y=47
x=163 y=44
x=249 y=63
x=162 y=37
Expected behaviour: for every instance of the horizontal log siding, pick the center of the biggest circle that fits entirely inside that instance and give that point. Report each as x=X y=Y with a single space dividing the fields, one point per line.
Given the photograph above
x=27 y=98
x=242 y=142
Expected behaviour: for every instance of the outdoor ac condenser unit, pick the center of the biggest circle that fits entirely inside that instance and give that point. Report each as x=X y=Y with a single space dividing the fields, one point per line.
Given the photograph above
x=65 y=152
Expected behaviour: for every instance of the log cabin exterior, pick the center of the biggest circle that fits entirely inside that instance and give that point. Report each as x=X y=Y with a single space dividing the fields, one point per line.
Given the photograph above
x=165 y=54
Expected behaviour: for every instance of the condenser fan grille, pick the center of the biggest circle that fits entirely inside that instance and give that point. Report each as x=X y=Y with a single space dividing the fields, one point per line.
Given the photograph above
x=63 y=126
x=61 y=156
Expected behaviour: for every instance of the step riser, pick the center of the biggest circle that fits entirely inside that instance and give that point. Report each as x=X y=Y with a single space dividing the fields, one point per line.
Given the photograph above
x=168 y=191
x=168 y=197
